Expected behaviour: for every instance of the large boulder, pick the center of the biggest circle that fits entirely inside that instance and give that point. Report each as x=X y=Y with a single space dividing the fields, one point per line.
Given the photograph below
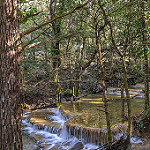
x=77 y=146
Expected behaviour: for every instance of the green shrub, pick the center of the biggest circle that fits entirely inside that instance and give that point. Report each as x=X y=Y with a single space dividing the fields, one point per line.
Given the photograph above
x=68 y=93
x=144 y=121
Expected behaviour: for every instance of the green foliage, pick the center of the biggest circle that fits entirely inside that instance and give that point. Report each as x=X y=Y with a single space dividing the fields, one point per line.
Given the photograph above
x=144 y=120
x=125 y=17
x=25 y=106
x=68 y=93
x=26 y=12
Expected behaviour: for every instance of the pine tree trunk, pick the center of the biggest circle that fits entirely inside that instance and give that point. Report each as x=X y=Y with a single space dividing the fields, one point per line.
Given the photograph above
x=10 y=108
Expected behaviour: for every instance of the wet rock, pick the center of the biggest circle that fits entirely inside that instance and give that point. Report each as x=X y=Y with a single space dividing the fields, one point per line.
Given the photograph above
x=119 y=144
x=45 y=146
x=140 y=85
x=37 y=137
x=66 y=143
x=97 y=89
x=43 y=106
x=77 y=146
x=29 y=142
x=141 y=143
x=56 y=147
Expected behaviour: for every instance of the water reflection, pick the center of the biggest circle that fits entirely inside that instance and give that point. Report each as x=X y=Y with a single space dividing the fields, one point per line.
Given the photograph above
x=88 y=116
x=93 y=117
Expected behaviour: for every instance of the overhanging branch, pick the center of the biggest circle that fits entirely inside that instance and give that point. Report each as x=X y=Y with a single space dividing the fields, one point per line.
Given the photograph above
x=50 y=21
x=25 y=18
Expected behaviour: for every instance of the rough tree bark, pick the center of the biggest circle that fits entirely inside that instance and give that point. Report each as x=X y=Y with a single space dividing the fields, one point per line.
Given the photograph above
x=10 y=108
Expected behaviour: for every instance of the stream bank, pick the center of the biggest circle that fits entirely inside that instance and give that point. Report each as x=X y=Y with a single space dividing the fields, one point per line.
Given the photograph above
x=55 y=129
x=81 y=123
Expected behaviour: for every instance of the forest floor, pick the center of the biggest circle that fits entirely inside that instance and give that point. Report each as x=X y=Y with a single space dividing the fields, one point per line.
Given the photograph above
x=32 y=102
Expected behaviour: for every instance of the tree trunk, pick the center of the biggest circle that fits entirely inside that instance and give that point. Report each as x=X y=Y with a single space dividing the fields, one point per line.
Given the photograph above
x=78 y=84
x=73 y=91
x=56 y=25
x=109 y=138
x=58 y=89
x=79 y=74
x=128 y=100
x=122 y=101
x=56 y=75
x=146 y=67
x=10 y=108
x=56 y=63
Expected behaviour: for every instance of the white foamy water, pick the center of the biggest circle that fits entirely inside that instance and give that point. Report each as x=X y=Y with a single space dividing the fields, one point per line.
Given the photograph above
x=57 y=117
x=63 y=140
x=136 y=140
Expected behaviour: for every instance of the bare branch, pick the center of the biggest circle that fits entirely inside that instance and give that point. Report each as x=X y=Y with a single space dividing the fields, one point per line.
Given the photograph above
x=23 y=47
x=25 y=18
x=12 y=11
x=25 y=1
x=111 y=30
x=29 y=45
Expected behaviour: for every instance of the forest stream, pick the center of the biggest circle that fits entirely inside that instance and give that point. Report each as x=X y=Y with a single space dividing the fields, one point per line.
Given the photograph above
x=57 y=57
x=79 y=125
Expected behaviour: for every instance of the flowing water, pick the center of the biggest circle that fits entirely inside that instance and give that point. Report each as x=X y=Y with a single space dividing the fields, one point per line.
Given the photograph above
x=75 y=123
x=53 y=135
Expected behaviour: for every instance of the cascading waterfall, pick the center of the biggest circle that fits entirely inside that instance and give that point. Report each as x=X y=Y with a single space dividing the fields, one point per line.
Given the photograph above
x=88 y=135
x=58 y=131
x=64 y=128
x=55 y=129
x=61 y=137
